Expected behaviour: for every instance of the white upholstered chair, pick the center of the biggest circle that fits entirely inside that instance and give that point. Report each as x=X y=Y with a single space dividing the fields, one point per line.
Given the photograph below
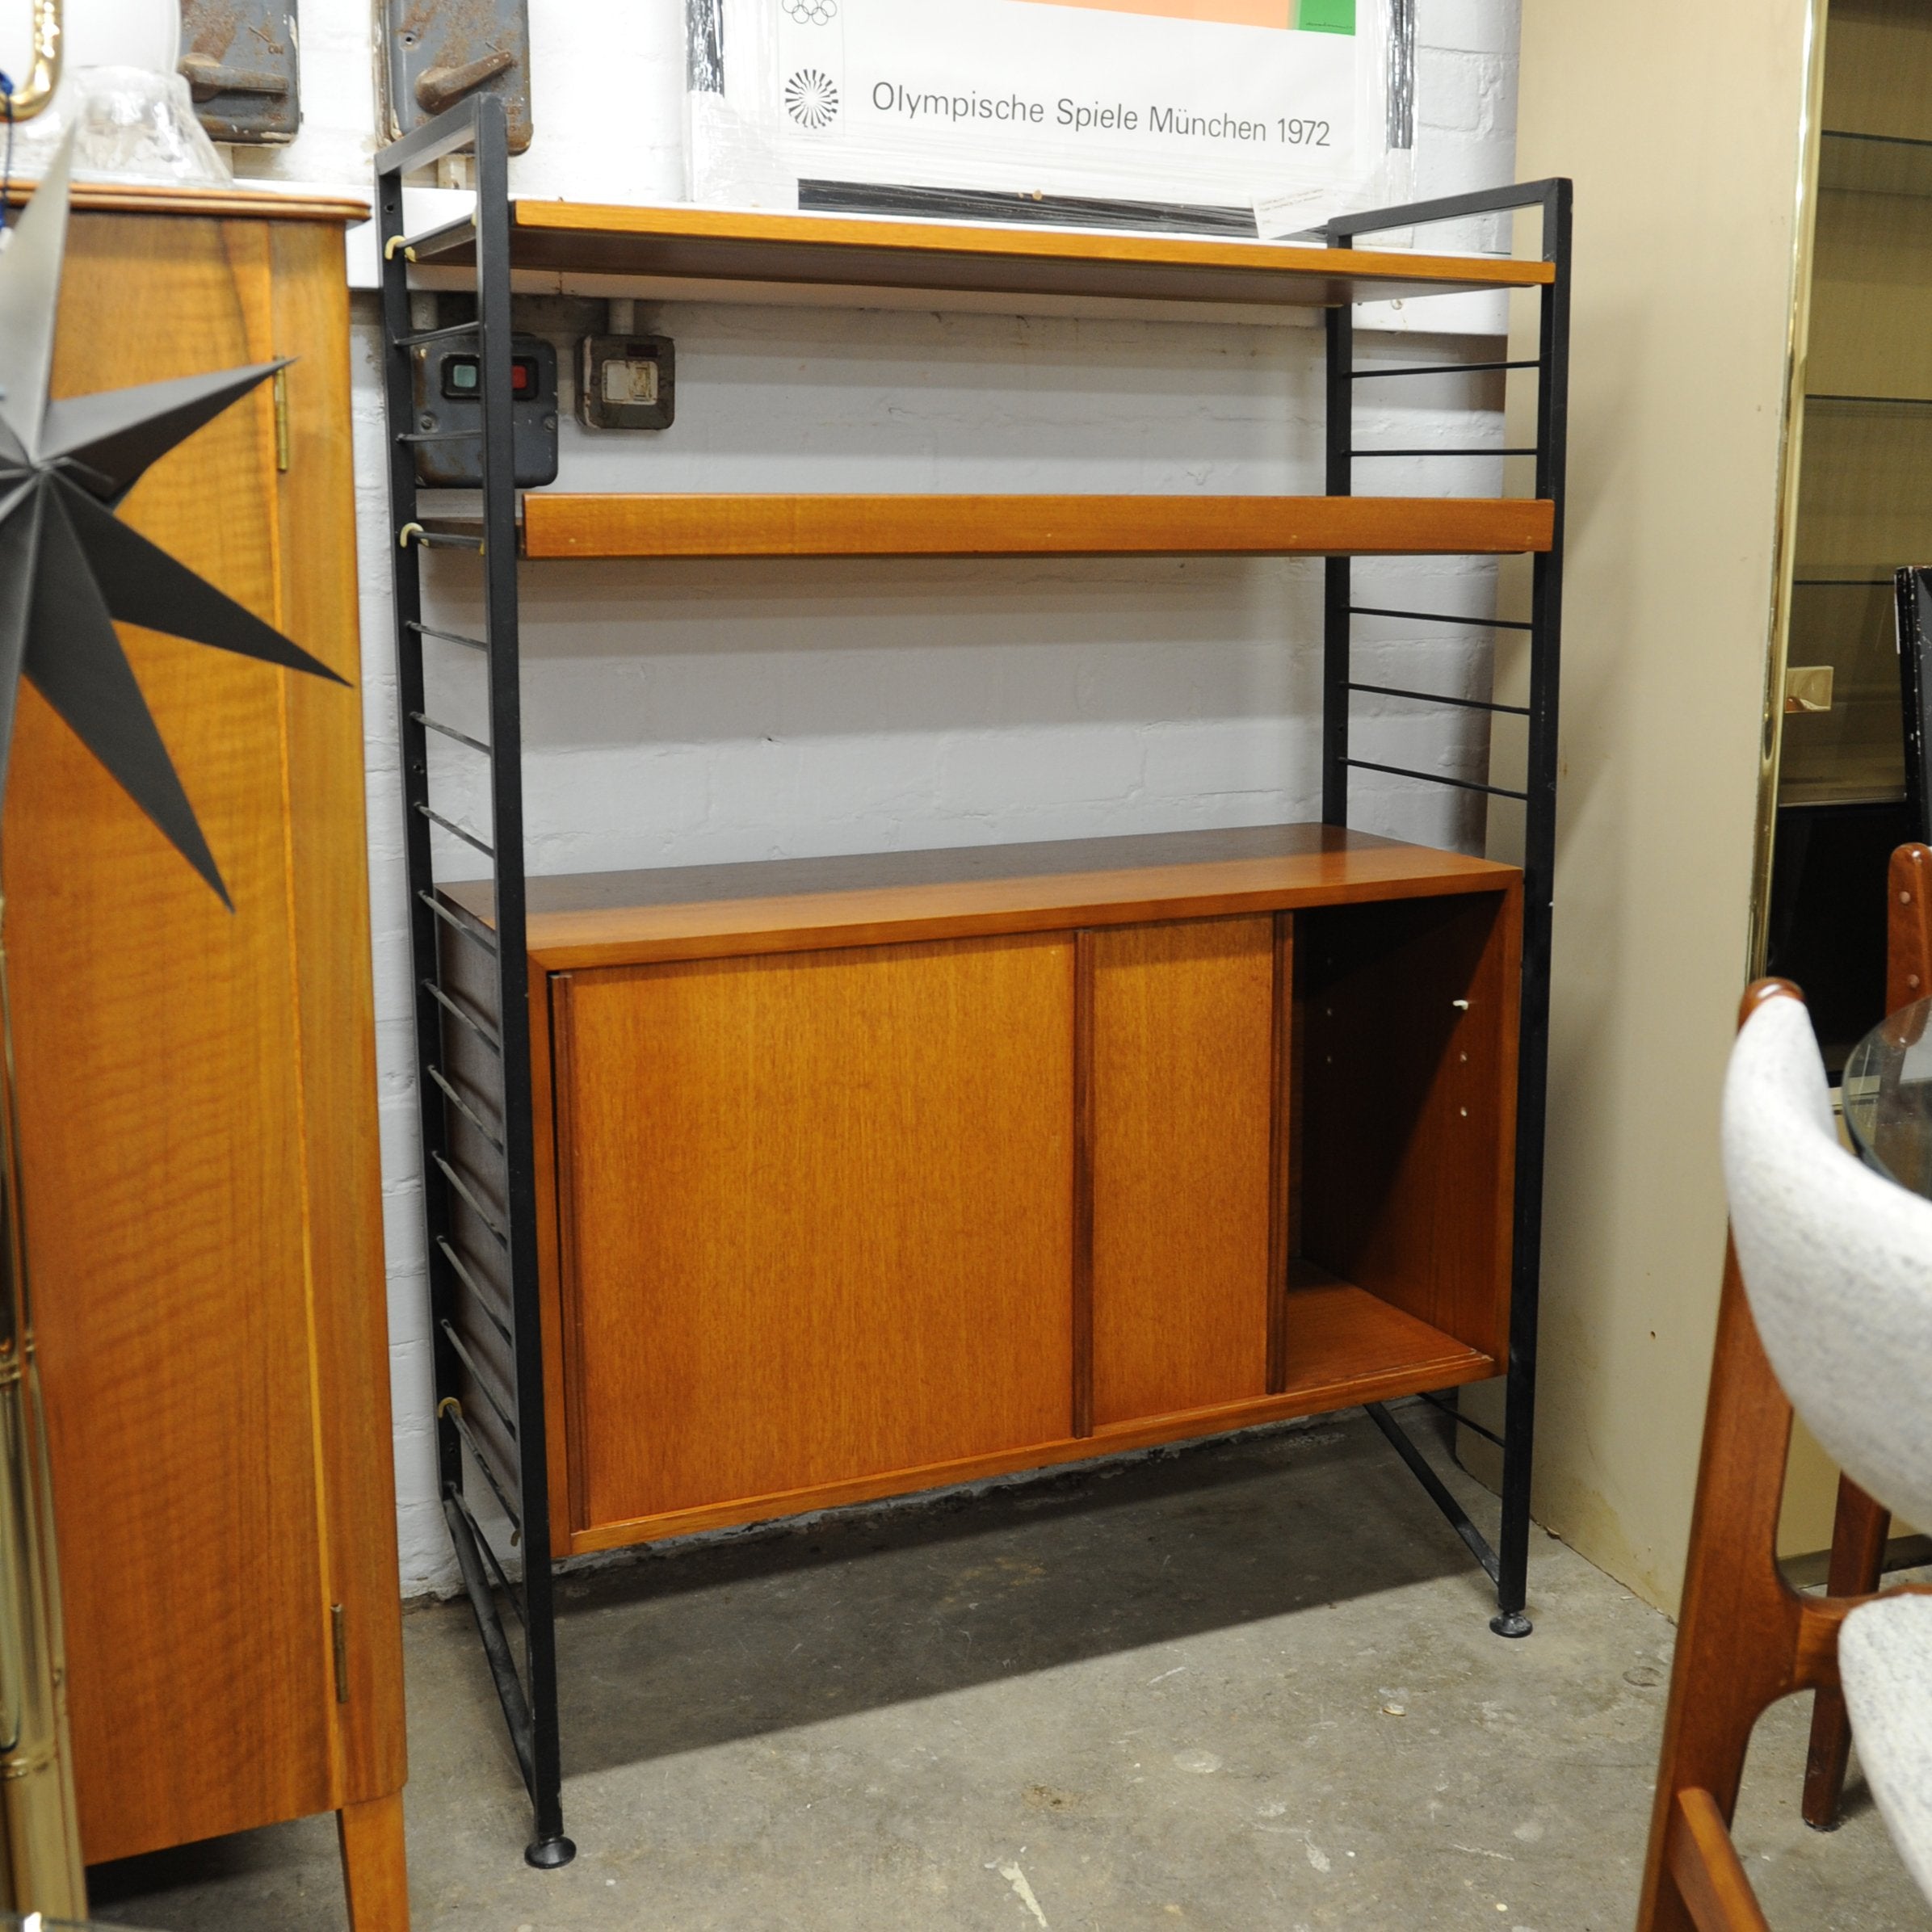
x=1827 y=1302
x=1837 y=1262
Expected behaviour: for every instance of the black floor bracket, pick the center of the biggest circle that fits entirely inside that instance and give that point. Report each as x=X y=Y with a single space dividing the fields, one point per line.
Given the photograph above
x=490 y=1626
x=473 y=1552
x=1459 y=1518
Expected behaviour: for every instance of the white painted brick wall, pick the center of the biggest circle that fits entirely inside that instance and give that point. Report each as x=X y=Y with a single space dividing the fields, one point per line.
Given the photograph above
x=686 y=713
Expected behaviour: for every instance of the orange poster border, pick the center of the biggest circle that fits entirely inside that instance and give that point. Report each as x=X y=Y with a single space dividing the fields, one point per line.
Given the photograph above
x=1226 y=13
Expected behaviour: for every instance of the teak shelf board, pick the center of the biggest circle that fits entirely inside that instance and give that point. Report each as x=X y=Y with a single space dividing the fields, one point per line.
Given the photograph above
x=1347 y=1347
x=568 y=525
x=859 y=252
x=580 y=920
x=1342 y=1337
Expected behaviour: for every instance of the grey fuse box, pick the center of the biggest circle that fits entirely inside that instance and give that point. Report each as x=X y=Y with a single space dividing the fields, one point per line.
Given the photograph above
x=438 y=52
x=449 y=407
x=241 y=61
x=627 y=382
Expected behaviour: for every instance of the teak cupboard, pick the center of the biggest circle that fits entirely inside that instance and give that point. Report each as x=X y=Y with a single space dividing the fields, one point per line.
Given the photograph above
x=874 y=1174
x=756 y=1189
x=197 y=1094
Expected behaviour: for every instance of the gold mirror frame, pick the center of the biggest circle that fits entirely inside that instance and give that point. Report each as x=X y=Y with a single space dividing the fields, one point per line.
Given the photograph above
x=1790 y=459
x=33 y=93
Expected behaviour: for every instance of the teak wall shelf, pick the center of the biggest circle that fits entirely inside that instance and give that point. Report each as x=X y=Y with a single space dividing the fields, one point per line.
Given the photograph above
x=860 y=252
x=1156 y=1137
x=590 y=919
x=557 y=524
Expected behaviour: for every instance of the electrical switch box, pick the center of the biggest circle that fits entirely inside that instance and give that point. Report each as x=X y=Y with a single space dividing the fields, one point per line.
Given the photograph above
x=627 y=382
x=240 y=59
x=449 y=407
x=442 y=51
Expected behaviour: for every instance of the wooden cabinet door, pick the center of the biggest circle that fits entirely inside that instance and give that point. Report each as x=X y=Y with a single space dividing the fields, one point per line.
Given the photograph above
x=1187 y=1177
x=816 y=1218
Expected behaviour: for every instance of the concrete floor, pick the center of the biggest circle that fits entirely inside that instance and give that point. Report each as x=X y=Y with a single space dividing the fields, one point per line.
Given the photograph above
x=1249 y=1685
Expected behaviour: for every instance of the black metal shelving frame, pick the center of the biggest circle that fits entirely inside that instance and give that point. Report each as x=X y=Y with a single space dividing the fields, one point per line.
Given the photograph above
x=1507 y=1562
x=471 y=980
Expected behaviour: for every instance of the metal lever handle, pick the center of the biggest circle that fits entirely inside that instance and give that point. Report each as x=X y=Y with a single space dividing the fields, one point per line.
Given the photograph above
x=207 y=78
x=440 y=87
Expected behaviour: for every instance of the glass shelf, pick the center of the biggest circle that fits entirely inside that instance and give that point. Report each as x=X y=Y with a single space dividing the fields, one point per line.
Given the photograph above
x=1874 y=164
x=1865 y=507
x=1884 y=402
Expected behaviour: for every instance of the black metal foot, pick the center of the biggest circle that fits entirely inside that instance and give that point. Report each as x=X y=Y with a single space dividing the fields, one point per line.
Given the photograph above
x=550 y=1854
x=1511 y=1623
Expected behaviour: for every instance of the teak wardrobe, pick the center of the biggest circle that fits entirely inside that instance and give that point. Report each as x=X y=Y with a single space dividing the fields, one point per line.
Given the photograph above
x=198 y=1101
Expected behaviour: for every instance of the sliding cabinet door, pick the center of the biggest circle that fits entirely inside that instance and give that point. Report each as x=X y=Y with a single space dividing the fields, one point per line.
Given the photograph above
x=1186 y=1162
x=816 y=1218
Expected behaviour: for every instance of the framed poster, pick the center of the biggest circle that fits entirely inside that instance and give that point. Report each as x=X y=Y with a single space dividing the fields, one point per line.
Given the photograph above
x=1163 y=113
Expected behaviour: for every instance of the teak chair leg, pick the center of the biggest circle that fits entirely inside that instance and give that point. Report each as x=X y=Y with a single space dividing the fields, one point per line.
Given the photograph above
x=1858 y=1561
x=376 y=1870
x=1705 y=1865
x=1745 y=1639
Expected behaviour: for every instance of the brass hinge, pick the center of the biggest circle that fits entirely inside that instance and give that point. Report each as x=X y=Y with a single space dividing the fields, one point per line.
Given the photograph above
x=281 y=396
x=341 y=1624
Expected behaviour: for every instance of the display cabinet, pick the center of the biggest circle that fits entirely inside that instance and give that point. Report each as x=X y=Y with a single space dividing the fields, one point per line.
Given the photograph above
x=1861 y=429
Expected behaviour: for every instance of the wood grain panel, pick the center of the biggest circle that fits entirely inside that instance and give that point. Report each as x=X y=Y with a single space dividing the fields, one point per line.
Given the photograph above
x=696 y=912
x=819 y=1218
x=1341 y=1337
x=328 y=861
x=1183 y=1187
x=1409 y=1080
x=167 y=1184
x=183 y=198
x=547 y=1092
x=858 y=253
x=1284 y=1131
x=1083 y=1183
x=691 y=524
x=1355 y=1348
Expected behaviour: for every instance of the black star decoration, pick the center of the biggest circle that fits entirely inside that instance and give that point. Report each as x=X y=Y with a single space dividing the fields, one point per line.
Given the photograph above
x=69 y=567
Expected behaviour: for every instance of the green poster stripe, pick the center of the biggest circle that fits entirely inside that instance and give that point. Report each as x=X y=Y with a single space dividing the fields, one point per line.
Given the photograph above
x=1326 y=16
